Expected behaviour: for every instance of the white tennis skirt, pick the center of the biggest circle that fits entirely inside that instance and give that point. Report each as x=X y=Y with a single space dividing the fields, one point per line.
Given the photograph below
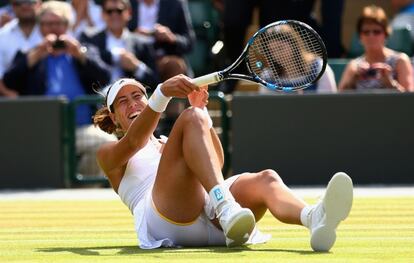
x=154 y=230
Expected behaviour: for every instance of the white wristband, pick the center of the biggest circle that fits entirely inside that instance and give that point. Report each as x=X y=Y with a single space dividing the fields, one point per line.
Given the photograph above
x=210 y=121
x=158 y=102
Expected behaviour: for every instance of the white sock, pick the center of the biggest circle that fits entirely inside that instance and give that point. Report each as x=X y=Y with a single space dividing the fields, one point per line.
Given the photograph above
x=218 y=196
x=304 y=215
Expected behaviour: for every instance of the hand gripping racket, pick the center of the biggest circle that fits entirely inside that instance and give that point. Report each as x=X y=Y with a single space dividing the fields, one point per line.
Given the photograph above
x=285 y=55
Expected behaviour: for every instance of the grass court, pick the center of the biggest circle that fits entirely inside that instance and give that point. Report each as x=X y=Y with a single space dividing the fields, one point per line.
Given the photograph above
x=379 y=229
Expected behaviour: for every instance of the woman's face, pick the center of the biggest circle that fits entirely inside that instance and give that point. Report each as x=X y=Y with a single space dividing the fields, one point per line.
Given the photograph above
x=128 y=104
x=372 y=36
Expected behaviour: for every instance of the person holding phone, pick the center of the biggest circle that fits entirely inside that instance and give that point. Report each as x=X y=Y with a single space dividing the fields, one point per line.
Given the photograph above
x=379 y=67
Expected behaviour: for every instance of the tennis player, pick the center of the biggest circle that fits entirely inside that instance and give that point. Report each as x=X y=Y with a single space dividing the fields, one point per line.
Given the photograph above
x=175 y=188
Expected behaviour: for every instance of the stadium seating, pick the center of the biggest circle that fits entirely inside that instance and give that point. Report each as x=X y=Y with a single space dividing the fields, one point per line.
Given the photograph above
x=338 y=66
x=400 y=40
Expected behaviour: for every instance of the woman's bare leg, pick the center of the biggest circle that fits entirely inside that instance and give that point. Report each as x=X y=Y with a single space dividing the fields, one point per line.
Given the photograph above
x=266 y=190
x=259 y=191
x=188 y=167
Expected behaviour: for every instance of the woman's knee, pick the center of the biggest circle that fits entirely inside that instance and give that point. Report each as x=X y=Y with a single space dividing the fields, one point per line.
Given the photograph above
x=194 y=116
x=269 y=177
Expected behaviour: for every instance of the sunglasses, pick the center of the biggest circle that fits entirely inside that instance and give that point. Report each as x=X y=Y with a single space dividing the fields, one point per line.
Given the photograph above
x=53 y=23
x=115 y=10
x=374 y=32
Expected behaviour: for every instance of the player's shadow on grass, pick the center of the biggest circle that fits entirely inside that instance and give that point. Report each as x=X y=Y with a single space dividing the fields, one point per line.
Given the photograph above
x=130 y=250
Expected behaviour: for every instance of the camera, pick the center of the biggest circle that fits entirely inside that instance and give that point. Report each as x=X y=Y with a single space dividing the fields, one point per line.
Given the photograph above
x=59 y=44
x=371 y=72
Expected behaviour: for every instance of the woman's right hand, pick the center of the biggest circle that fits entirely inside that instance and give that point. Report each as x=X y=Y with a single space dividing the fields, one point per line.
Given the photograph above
x=178 y=86
x=362 y=69
x=42 y=50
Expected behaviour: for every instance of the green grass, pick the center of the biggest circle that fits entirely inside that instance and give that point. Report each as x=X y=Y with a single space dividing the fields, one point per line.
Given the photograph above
x=378 y=229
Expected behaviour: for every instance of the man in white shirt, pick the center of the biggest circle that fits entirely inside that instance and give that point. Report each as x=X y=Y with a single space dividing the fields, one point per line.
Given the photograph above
x=127 y=54
x=168 y=23
x=22 y=33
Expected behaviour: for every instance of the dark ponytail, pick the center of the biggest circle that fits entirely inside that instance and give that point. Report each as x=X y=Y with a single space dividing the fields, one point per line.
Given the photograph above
x=104 y=121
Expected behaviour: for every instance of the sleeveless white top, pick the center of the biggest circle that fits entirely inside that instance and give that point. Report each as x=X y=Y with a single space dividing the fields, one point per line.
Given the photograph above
x=139 y=175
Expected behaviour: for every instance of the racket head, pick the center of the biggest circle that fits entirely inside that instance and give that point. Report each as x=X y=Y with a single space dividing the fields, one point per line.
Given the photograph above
x=286 y=55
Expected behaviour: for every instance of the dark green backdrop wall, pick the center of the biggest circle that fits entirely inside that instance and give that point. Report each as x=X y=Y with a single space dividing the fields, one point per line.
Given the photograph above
x=307 y=138
x=31 y=143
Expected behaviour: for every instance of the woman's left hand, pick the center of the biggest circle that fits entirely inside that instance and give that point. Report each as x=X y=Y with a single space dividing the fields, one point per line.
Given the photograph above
x=199 y=98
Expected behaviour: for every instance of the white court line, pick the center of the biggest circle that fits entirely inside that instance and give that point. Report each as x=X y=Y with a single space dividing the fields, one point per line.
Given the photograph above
x=60 y=194
x=109 y=194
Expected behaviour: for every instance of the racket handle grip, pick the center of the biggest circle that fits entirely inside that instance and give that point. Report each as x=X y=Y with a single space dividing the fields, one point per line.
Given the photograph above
x=207 y=79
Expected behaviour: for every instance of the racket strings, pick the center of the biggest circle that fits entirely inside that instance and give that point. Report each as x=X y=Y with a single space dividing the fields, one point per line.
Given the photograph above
x=286 y=55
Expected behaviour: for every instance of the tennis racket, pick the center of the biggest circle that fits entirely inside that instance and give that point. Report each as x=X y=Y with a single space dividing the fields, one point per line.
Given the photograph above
x=285 y=55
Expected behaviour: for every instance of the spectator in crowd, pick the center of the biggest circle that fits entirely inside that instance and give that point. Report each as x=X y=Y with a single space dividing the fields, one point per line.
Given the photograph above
x=404 y=16
x=127 y=54
x=88 y=16
x=379 y=67
x=325 y=84
x=168 y=24
x=22 y=33
x=292 y=60
x=60 y=65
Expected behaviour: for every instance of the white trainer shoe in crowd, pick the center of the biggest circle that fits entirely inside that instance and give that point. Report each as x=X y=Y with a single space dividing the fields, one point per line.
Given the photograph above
x=237 y=223
x=330 y=211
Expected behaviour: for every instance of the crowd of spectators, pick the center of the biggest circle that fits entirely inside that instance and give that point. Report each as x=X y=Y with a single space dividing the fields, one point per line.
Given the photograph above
x=149 y=40
x=77 y=47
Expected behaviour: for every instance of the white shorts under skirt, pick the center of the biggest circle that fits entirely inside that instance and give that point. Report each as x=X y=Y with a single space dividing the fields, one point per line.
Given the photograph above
x=154 y=230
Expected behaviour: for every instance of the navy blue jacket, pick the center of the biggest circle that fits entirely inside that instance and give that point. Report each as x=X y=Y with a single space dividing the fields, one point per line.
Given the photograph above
x=32 y=81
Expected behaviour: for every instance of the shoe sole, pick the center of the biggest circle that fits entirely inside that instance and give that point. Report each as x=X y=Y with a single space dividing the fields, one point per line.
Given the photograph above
x=243 y=225
x=337 y=203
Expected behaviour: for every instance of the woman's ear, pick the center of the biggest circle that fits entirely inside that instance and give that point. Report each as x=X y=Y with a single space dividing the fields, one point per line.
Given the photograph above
x=113 y=118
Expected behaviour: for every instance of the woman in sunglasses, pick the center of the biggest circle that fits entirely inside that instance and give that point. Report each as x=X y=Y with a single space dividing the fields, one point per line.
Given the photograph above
x=379 y=67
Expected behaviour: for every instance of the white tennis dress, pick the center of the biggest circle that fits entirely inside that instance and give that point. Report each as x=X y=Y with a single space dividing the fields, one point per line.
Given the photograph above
x=153 y=229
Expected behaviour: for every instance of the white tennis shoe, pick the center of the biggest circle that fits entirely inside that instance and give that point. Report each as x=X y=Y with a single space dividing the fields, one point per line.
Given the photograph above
x=237 y=223
x=325 y=216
